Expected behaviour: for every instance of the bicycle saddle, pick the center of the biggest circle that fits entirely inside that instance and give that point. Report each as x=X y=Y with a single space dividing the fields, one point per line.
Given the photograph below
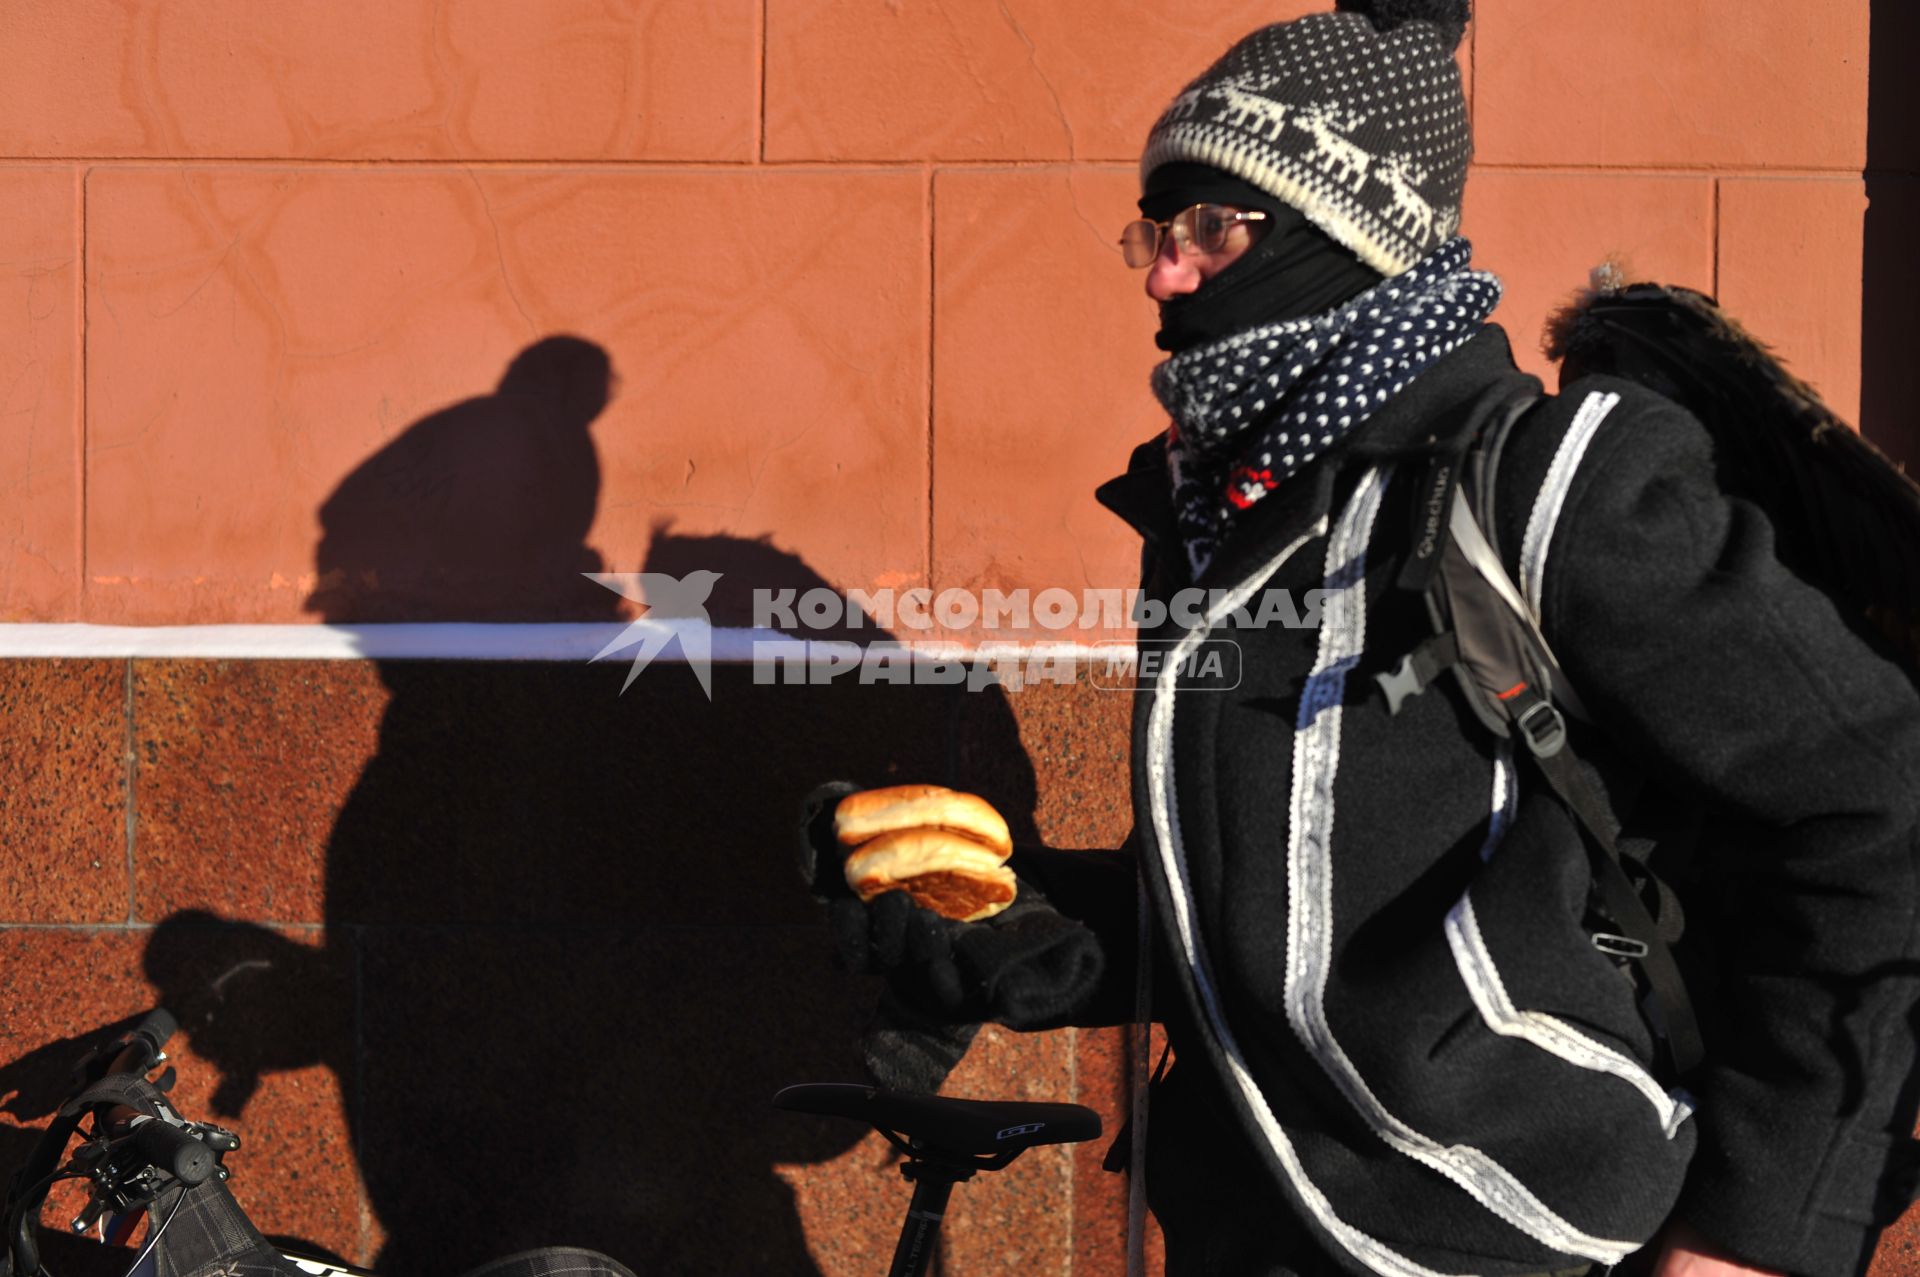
x=937 y=1124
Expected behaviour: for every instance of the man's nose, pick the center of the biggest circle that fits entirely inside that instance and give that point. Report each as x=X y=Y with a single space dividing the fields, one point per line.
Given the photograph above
x=1173 y=273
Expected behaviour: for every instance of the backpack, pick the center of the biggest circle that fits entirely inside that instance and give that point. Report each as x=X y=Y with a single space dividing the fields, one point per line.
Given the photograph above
x=1846 y=519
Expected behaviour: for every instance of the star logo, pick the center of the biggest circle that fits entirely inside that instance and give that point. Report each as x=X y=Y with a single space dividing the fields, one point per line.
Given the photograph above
x=675 y=609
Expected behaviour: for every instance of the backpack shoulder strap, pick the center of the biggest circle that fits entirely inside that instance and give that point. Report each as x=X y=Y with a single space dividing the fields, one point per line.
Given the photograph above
x=1484 y=629
x=1488 y=637
x=1483 y=464
x=1473 y=522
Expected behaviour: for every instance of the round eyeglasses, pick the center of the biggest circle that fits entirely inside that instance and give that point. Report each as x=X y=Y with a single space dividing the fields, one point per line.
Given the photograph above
x=1202 y=228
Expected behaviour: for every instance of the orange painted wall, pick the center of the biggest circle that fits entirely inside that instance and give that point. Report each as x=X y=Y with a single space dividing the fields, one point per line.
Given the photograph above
x=852 y=260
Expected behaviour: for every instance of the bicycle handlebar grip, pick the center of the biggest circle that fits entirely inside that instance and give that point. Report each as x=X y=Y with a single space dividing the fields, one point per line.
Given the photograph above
x=173 y=1151
x=157 y=1026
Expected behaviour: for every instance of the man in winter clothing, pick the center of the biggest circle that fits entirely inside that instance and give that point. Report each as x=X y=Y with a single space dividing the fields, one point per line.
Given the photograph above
x=1399 y=1049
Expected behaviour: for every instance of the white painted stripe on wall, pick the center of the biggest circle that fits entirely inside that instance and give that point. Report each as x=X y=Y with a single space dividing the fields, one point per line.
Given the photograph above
x=446 y=641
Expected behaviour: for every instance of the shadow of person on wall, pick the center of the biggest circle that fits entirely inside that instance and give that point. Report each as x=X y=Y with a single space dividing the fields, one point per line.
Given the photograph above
x=479 y=512
x=567 y=956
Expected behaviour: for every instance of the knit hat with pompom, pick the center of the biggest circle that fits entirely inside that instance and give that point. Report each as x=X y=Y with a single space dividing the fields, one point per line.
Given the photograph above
x=1356 y=118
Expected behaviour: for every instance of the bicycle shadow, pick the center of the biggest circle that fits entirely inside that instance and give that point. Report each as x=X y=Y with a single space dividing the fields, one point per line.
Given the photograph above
x=567 y=958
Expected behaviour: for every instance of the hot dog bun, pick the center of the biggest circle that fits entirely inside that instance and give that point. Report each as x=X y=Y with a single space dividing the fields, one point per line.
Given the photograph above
x=873 y=812
x=946 y=872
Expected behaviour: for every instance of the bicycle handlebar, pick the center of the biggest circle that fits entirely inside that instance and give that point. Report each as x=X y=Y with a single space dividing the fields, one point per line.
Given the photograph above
x=173 y=1150
x=144 y=1043
x=155 y=1141
x=157 y=1026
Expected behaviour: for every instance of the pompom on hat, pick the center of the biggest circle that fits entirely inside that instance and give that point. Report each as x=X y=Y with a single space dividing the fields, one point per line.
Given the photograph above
x=1356 y=118
x=1449 y=17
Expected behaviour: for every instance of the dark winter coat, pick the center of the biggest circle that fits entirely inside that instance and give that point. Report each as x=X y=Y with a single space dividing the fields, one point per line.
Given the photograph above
x=1391 y=1024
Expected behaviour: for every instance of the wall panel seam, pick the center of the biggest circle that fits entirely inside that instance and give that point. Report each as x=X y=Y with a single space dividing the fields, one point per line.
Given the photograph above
x=827 y=164
x=933 y=345
x=1715 y=230
x=760 y=128
x=79 y=928
x=81 y=174
x=902 y=162
x=131 y=771
x=1784 y=173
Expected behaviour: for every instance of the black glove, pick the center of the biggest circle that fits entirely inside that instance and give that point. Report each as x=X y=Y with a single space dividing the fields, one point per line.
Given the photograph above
x=904 y=1051
x=1027 y=967
x=818 y=853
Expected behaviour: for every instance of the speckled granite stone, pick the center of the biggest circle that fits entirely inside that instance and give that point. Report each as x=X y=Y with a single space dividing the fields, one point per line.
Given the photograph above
x=850 y=1206
x=1102 y=1060
x=1899 y=1251
x=63 y=786
x=1053 y=757
x=241 y=769
x=60 y=983
x=1018 y=1220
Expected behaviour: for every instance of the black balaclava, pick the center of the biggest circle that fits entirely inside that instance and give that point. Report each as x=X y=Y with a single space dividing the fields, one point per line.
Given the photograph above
x=1293 y=270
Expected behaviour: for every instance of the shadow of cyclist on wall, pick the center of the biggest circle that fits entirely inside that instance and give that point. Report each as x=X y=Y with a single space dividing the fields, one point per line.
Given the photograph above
x=479 y=512
x=567 y=956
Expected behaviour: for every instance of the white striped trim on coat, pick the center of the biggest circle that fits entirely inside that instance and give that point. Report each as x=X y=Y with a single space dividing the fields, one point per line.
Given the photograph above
x=1553 y=495
x=1481 y=976
x=1309 y=922
x=1551 y=1034
x=1310 y=861
x=1165 y=817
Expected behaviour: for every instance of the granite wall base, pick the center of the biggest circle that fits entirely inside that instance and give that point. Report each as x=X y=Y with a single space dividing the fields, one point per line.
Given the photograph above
x=480 y=956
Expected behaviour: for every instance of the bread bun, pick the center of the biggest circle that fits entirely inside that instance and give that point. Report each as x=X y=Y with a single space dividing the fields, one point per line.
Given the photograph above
x=873 y=812
x=946 y=872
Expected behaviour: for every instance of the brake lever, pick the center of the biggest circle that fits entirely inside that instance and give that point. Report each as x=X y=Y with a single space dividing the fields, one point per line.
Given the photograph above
x=126 y=1195
x=121 y=1197
x=90 y=1214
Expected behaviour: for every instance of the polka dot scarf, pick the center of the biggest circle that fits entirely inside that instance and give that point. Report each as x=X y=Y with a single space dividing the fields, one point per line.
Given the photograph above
x=1251 y=409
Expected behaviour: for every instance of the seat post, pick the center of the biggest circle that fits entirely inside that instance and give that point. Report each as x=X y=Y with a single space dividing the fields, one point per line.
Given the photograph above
x=932 y=1184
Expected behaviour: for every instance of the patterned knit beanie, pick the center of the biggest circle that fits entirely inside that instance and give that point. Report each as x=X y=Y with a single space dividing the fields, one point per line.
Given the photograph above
x=1356 y=118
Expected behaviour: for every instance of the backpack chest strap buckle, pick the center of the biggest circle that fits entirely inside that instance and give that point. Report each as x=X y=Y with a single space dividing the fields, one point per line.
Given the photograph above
x=1418 y=669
